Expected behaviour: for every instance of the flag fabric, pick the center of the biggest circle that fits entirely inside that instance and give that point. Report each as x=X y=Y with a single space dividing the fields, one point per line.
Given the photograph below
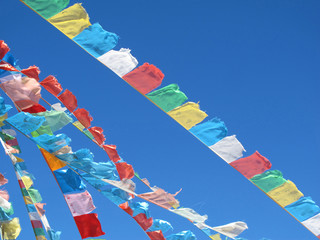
x=47 y=8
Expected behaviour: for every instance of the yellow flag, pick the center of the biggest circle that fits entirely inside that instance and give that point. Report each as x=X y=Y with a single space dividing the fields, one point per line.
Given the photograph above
x=28 y=200
x=41 y=237
x=78 y=125
x=53 y=162
x=188 y=115
x=71 y=21
x=285 y=194
x=11 y=229
x=2 y=118
x=27 y=181
x=19 y=159
x=215 y=236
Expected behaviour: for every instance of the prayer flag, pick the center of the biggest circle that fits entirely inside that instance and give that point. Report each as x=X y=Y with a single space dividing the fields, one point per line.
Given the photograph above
x=52 y=85
x=89 y=225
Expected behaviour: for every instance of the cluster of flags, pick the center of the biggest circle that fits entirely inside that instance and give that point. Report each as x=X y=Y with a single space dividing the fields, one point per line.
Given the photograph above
x=74 y=22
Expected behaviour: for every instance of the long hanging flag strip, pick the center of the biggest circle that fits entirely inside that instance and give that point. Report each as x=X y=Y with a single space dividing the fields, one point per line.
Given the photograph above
x=9 y=227
x=31 y=124
x=74 y=23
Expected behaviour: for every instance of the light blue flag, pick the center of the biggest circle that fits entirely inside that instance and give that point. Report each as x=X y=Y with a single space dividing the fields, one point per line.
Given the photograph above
x=53 y=235
x=210 y=132
x=303 y=209
x=184 y=235
x=4 y=108
x=9 y=59
x=69 y=181
x=116 y=195
x=140 y=207
x=96 y=40
x=52 y=143
x=5 y=214
x=25 y=122
x=162 y=225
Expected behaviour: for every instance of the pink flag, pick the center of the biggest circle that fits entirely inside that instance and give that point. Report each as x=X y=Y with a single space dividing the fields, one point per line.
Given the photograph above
x=80 y=203
x=4 y=194
x=3 y=180
x=32 y=72
x=40 y=209
x=161 y=198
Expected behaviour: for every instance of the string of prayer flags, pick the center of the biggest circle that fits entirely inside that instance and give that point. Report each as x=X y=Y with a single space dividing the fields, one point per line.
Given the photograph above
x=96 y=41
x=303 y=209
x=188 y=115
x=120 y=62
x=68 y=100
x=210 y=132
x=4 y=48
x=71 y=21
x=251 y=165
x=168 y=97
x=47 y=8
x=228 y=148
x=52 y=85
x=144 y=78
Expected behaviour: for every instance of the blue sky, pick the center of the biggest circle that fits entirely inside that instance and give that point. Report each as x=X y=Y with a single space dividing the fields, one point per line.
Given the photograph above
x=254 y=64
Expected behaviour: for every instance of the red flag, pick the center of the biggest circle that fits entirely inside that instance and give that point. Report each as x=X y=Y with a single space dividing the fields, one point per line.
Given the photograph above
x=144 y=78
x=52 y=85
x=252 y=165
x=83 y=117
x=36 y=224
x=69 y=100
x=32 y=72
x=89 y=225
x=125 y=170
x=3 y=180
x=156 y=235
x=97 y=133
x=112 y=152
x=125 y=207
x=7 y=67
x=3 y=49
x=143 y=221
x=36 y=108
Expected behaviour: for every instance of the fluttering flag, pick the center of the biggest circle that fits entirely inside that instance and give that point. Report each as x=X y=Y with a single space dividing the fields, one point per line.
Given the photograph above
x=252 y=165
x=285 y=194
x=145 y=78
x=144 y=222
x=89 y=225
x=27 y=181
x=3 y=180
x=10 y=61
x=184 y=235
x=53 y=162
x=188 y=115
x=56 y=120
x=52 y=85
x=69 y=181
x=268 y=180
x=4 y=194
x=313 y=224
x=120 y=62
x=125 y=170
x=190 y=214
x=162 y=225
x=303 y=209
x=80 y=203
x=210 y=132
x=52 y=143
x=97 y=133
x=161 y=198
x=112 y=152
x=96 y=40
x=126 y=185
x=11 y=229
x=7 y=67
x=71 y=21
x=69 y=100
x=156 y=235
x=36 y=108
x=140 y=207
x=168 y=97
x=4 y=108
x=232 y=229
x=24 y=91
x=83 y=117
x=47 y=8
x=25 y=122
x=31 y=72
x=228 y=148
x=3 y=49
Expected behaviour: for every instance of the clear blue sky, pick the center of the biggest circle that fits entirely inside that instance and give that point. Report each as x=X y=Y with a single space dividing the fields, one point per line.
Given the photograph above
x=254 y=64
